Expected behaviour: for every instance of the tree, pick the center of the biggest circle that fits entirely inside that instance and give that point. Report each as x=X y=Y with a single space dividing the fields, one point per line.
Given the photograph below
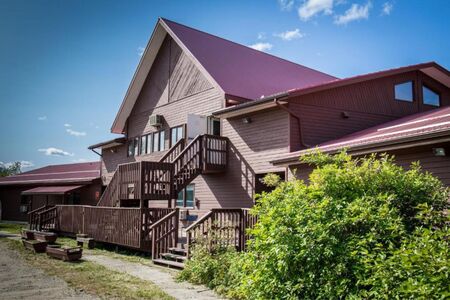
x=10 y=169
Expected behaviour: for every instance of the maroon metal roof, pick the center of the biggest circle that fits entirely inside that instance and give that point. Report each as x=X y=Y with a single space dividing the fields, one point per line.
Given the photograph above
x=51 y=190
x=433 y=122
x=79 y=172
x=242 y=71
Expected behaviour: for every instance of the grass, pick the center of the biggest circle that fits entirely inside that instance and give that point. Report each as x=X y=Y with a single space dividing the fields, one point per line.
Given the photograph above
x=90 y=277
x=14 y=228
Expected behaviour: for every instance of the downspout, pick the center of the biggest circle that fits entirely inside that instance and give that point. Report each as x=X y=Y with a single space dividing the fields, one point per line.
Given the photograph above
x=299 y=123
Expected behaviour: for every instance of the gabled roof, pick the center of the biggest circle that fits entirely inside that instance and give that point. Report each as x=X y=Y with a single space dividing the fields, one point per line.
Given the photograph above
x=426 y=125
x=235 y=69
x=68 y=173
x=431 y=69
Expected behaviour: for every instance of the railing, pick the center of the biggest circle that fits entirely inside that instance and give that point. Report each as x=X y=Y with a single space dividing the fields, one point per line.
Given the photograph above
x=110 y=196
x=129 y=227
x=33 y=217
x=215 y=152
x=224 y=227
x=164 y=234
x=174 y=151
x=157 y=180
x=46 y=219
x=129 y=180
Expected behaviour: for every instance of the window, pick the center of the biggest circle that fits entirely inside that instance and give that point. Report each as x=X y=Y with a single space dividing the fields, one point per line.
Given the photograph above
x=136 y=146
x=133 y=147
x=404 y=91
x=430 y=97
x=186 y=197
x=143 y=145
x=213 y=126
x=176 y=134
x=162 y=139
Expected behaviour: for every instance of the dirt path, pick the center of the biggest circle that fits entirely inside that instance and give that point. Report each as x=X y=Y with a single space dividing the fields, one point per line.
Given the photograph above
x=18 y=280
x=164 y=280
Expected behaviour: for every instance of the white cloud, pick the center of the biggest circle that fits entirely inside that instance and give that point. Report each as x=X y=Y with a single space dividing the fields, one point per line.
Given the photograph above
x=354 y=13
x=51 y=151
x=290 y=35
x=310 y=8
x=75 y=133
x=387 y=8
x=80 y=160
x=23 y=164
x=286 y=5
x=262 y=46
x=42 y=118
x=140 y=51
x=261 y=36
x=67 y=125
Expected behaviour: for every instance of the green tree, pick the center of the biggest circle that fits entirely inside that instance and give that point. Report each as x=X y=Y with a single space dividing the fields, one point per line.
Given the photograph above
x=10 y=169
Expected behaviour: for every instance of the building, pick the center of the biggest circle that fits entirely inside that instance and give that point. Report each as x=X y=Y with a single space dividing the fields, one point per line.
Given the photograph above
x=204 y=119
x=57 y=184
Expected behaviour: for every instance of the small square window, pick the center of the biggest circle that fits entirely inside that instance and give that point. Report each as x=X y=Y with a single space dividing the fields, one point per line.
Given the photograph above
x=430 y=97
x=404 y=91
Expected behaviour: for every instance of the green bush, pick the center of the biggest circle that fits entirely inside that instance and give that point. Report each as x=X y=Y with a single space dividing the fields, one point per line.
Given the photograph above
x=349 y=233
x=360 y=229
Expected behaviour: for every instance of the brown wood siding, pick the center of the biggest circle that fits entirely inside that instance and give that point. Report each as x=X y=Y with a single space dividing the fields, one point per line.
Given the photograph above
x=438 y=166
x=367 y=104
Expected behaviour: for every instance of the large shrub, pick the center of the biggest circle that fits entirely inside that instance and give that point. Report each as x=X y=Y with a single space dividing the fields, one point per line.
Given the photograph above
x=360 y=229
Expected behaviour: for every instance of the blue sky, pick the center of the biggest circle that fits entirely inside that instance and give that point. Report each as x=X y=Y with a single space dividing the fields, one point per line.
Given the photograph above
x=66 y=65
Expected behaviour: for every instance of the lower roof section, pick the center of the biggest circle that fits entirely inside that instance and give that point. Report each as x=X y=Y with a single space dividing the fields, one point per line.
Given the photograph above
x=427 y=127
x=51 y=190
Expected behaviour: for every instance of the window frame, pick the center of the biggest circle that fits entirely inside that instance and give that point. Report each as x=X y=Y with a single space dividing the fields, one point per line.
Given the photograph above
x=183 y=133
x=425 y=86
x=184 y=193
x=210 y=126
x=413 y=93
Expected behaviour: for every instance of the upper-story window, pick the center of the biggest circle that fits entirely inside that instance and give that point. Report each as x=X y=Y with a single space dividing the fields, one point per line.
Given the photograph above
x=186 y=197
x=213 y=126
x=146 y=144
x=158 y=141
x=176 y=134
x=133 y=147
x=404 y=91
x=430 y=97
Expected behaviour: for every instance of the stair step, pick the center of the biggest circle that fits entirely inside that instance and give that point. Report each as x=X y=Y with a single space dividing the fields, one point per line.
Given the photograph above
x=174 y=257
x=179 y=251
x=169 y=263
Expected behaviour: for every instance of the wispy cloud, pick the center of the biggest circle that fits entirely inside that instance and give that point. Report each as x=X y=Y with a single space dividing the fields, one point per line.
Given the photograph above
x=387 y=8
x=310 y=8
x=261 y=36
x=290 y=35
x=52 y=151
x=42 y=118
x=67 y=125
x=140 y=51
x=286 y=5
x=262 y=46
x=24 y=164
x=354 y=13
x=75 y=133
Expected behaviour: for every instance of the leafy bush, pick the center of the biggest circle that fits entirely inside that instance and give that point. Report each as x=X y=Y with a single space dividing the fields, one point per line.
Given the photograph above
x=361 y=228
x=212 y=267
x=349 y=233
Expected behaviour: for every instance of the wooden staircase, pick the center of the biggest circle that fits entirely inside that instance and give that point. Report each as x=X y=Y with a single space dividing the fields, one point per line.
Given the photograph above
x=136 y=182
x=174 y=258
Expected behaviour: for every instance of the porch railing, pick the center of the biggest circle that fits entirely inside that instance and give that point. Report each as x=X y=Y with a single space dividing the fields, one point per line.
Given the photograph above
x=33 y=217
x=165 y=234
x=224 y=227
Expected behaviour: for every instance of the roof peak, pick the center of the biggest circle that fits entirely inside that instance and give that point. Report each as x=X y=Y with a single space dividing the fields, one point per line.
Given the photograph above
x=244 y=46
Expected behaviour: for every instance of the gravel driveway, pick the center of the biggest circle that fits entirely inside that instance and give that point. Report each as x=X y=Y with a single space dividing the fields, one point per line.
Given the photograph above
x=18 y=280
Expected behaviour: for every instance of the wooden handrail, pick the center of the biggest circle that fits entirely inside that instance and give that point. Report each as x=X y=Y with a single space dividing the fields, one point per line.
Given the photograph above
x=37 y=209
x=187 y=147
x=164 y=233
x=173 y=149
x=199 y=221
x=163 y=219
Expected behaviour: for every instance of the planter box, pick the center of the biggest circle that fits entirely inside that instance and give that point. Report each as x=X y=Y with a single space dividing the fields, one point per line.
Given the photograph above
x=48 y=237
x=36 y=246
x=27 y=234
x=65 y=254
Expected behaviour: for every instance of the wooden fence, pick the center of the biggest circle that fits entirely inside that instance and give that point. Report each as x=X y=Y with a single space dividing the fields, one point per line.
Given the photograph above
x=129 y=227
x=224 y=227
